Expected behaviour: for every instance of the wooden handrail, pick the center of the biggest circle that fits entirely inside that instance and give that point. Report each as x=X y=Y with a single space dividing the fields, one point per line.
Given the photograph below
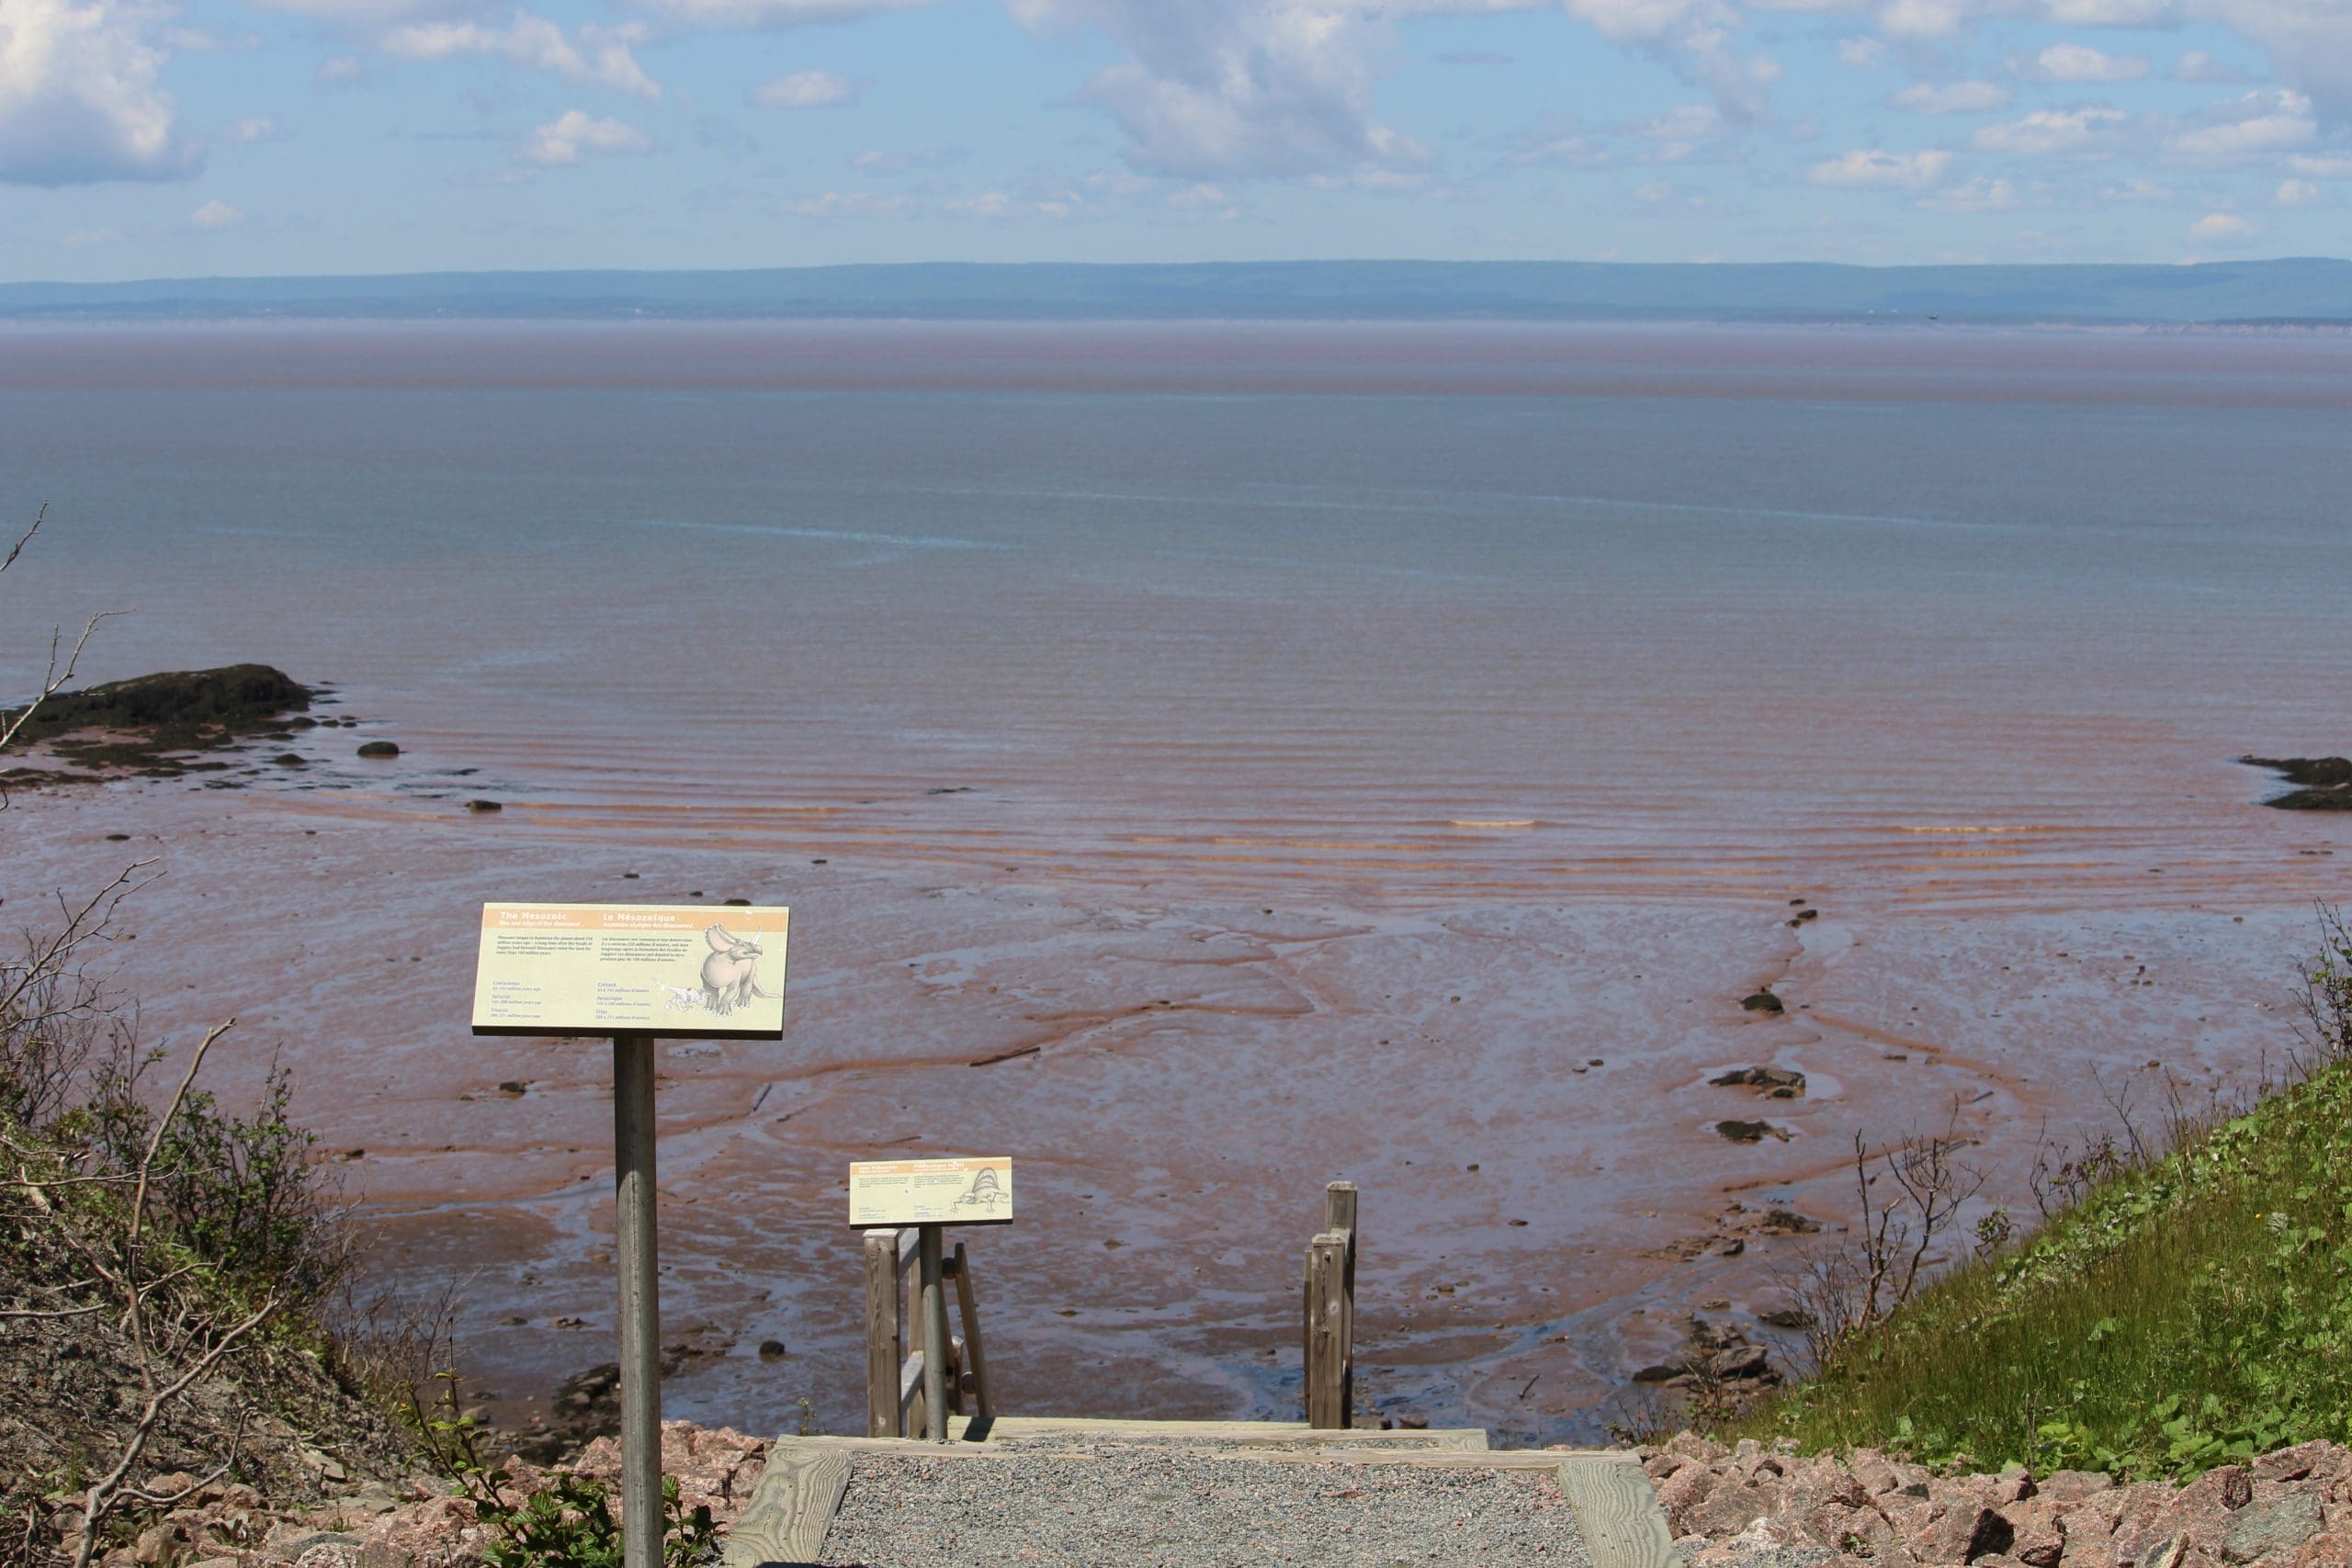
x=898 y=1351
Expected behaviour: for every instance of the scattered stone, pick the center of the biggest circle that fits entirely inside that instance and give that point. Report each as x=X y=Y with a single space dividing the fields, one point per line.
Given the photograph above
x=379 y=748
x=772 y=1350
x=1777 y=1083
x=1763 y=1002
x=1750 y=1132
x=484 y=806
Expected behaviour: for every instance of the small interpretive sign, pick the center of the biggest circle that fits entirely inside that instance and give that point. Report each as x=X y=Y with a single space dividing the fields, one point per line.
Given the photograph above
x=679 y=970
x=930 y=1192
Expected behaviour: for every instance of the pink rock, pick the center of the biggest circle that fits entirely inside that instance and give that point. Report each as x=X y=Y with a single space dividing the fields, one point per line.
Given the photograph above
x=2293 y=1464
x=1962 y=1536
x=2069 y=1485
x=1684 y=1490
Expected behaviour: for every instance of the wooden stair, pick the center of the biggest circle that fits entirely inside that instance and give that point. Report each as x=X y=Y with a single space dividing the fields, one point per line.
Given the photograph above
x=786 y=1522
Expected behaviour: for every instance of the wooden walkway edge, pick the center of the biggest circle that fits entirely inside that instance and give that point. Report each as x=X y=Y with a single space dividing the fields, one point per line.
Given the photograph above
x=1616 y=1509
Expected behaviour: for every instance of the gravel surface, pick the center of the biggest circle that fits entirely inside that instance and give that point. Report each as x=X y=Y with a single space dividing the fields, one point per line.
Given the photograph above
x=1091 y=1507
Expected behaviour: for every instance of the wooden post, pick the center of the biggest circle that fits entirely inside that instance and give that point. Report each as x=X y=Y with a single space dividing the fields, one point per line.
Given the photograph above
x=981 y=1405
x=1328 y=1332
x=886 y=1344
x=641 y=1303
x=1340 y=1214
x=934 y=1337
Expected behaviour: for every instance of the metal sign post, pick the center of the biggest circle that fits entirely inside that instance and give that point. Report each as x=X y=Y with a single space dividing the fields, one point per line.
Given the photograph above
x=638 y=1256
x=631 y=973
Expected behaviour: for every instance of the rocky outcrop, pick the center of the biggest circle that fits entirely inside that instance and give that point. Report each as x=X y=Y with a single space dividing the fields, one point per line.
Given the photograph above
x=1752 y=1507
x=2322 y=783
x=151 y=723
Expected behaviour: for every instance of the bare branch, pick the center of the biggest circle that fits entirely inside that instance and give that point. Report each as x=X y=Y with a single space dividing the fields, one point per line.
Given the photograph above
x=18 y=547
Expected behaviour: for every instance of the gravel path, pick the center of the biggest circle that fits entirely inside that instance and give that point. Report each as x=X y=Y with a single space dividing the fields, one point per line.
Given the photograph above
x=1088 y=1505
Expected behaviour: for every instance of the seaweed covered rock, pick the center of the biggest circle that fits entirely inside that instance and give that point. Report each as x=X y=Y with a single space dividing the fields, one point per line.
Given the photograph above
x=151 y=724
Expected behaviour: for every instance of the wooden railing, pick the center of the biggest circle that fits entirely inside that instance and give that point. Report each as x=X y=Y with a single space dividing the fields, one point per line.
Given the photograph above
x=911 y=1391
x=1331 y=1312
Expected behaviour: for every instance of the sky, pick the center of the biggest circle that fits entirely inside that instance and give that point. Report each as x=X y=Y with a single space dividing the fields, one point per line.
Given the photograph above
x=177 y=138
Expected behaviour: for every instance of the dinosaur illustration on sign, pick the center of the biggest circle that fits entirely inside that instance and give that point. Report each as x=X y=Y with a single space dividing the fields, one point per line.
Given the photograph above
x=728 y=978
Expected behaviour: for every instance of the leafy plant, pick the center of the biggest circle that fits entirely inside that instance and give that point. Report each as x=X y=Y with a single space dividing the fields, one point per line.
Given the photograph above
x=566 y=1523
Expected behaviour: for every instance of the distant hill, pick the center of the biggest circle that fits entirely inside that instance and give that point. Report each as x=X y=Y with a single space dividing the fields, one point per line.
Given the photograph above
x=2312 y=289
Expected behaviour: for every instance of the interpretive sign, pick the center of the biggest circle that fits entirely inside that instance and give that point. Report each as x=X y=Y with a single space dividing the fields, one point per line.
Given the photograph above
x=930 y=1192
x=676 y=970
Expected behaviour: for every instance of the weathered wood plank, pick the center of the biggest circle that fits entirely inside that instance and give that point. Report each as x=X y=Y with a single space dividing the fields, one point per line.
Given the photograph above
x=884 y=1344
x=1118 y=1428
x=934 y=1337
x=790 y=1508
x=1330 y=1332
x=982 y=1400
x=1617 y=1513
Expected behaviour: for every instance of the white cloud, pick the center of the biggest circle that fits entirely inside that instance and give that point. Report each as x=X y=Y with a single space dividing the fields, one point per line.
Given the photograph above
x=764 y=15
x=1868 y=168
x=848 y=204
x=1952 y=98
x=563 y=141
x=2225 y=228
x=1205 y=201
x=1862 y=53
x=2111 y=13
x=79 y=100
x=1979 y=195
x=1680 y=133
x=1655 y=192
x=1213 y=89
x=216 y=215
x=1922 y=21
x=2081 y=62
x=2137 y=190
x=1695 y=37
x=2265 y=120
x=804 y=90
x=601 y=58
x=76 y=238
x=258 y=128
x=2326 y=168
x=2295 y=193
x=2046 y=132
x=2199 y=66
x=196 y=41
x=340 y=70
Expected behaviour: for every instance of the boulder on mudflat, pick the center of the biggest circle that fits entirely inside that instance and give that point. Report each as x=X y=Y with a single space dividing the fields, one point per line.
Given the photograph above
x=1762 y=1001
x=2322 y=783
x=1778 y=1083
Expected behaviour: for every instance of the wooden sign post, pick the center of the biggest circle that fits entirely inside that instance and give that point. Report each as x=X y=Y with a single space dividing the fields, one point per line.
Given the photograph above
x=633 y=972
x=930 y=1195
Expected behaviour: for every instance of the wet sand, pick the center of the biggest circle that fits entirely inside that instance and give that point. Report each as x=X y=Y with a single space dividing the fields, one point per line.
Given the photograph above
x=1178 y=1072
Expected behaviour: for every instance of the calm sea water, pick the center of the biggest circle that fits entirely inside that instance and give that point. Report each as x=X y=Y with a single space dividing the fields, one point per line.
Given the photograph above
x=1541 y=666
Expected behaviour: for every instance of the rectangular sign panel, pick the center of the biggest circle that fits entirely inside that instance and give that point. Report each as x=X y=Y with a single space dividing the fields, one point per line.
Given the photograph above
x=930 y=1192
x=681 y=970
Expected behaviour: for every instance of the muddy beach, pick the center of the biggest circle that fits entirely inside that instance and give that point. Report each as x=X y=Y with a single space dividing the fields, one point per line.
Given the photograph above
x=1200 y=796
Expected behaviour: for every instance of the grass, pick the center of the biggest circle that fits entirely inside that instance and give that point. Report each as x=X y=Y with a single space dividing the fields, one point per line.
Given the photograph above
x=2192 y=1312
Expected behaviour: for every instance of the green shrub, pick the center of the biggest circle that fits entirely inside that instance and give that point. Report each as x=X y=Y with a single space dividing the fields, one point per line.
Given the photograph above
x=2184 y=1314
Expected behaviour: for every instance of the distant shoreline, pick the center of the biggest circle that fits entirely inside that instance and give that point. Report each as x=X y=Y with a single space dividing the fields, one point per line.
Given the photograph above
x=2292 y=293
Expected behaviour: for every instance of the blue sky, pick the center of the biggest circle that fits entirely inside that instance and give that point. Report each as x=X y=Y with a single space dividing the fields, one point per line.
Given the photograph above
x=144 y=138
